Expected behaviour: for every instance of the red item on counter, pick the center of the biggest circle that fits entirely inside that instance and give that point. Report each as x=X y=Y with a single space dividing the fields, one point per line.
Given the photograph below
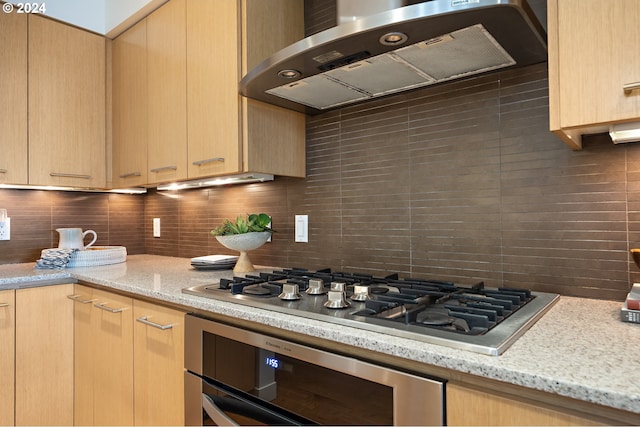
x=633 y=303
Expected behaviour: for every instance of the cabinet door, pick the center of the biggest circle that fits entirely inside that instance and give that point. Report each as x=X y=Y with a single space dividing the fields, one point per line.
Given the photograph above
x=468 y=407
x=103 y=358
x=159 y=365
x=213 y=72
x=112 y=351
x=166 y=39
x=7 y=356
x=229 y=134
x=83 y=337
x=273 y=138
x=44 y=356
x=13 y=101
x=130 y=107
x=66 y=105
x=597 y=55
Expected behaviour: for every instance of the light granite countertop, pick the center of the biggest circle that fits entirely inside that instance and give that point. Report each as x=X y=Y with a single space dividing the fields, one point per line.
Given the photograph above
x=579 y=349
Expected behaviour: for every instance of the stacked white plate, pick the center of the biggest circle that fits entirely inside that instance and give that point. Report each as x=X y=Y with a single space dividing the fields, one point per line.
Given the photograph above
x=214 y=262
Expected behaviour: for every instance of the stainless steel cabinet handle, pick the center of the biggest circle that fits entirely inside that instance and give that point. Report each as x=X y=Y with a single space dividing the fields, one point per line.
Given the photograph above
x=103 y=306
x=69 y=175
x=129 y=175
x=629 y=87
x=79 y=299
x=146 y=321
x=205 y=161
x=164 y=168
x=4 y=304
x=3 y=171
x=215 y=413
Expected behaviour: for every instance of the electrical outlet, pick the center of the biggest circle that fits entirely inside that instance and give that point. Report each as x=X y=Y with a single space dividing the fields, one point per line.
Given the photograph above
x=156 y=227
x=302 y=228
x=5 y=229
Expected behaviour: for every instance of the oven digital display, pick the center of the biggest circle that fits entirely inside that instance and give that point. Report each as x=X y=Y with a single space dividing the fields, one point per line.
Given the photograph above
x=273 y=362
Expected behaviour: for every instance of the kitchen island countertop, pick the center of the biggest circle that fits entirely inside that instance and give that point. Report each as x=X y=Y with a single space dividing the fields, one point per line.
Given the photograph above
x=579 y=349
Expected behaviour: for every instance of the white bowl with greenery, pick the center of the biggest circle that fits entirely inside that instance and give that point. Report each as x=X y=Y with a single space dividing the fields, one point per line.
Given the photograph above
x=243 y=235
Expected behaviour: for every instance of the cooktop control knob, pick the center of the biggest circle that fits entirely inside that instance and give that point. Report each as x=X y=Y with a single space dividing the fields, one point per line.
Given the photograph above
x=337 y=296
x=338 y=286
x=360 y=293
x=289 y=292
x=316 y=287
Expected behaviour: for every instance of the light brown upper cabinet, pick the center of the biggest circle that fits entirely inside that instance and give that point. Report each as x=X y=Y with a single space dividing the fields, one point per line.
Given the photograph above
x=213 y=71
x=13 y=98
x=67 y=92
x=167 y=80
x=197 y=124
x=130 y=107
x=228 y=133
x=593 y=48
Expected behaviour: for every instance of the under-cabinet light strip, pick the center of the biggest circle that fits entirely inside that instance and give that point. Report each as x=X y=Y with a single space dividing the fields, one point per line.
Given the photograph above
x=60 y=188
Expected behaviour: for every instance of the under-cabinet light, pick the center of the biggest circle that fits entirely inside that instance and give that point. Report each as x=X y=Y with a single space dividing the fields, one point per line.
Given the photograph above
x=245 y=178
x=136 y=190
x=625 y=132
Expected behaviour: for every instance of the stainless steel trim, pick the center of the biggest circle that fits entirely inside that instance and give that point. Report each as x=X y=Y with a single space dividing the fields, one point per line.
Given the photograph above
x=205 y=161
x=216 y=413
x=416 y=400
x=630 y=87
x=69 y=175
x=145 y=320
x=77 y=298
x=103 y=306
x=494 y=343
x=164 y=168
x=130 y=174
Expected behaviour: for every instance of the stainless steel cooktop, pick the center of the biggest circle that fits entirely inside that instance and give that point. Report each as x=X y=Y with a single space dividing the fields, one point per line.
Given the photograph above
x=473 y=318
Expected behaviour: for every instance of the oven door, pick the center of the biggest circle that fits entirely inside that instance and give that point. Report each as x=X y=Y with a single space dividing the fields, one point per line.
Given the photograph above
x=224 y=406
x=235 y=376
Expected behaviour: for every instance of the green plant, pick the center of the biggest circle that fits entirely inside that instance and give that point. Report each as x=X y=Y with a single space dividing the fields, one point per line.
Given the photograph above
x=252 y=223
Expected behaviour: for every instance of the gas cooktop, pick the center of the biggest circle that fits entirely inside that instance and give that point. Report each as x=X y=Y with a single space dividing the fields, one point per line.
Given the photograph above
x=475 y=318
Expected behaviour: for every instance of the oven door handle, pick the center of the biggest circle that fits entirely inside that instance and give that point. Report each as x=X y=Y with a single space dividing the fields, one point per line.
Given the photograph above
x=215 y=413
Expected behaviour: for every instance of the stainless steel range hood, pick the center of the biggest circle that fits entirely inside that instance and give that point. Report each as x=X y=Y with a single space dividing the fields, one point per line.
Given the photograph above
x=398 y=50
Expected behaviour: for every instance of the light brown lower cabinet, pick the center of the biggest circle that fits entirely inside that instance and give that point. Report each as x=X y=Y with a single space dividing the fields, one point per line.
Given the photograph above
x=103 y=347
x=129 y=365
x=44 y=356
x=158 y=365
x=470 y=407
x=7 y=356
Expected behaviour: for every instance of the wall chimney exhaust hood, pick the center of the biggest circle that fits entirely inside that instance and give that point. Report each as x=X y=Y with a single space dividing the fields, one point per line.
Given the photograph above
x=396 y=50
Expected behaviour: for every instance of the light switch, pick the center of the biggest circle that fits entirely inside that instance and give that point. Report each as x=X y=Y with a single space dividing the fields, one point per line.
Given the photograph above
x=156 y=227
x=302 y=228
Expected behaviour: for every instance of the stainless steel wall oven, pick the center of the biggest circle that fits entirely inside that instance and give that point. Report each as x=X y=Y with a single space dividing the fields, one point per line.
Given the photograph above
x=240 y=377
